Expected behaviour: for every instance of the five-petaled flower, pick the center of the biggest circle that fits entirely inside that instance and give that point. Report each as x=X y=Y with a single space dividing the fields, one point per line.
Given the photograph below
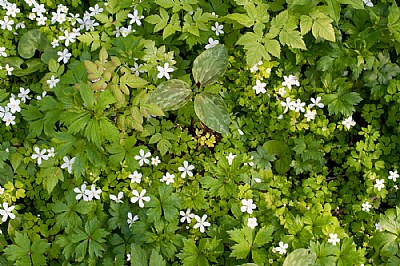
x=68 y=164
x=186 y=169
x=211 y=43
x=290 y=81
x=259 y=87
x=201 y=222
x=217 y=28
x=248 y=206
x=168 y=178
x=348 y=122
x=333 y=239
x=64 y=56
x=118 y=198
x=93 y=192
x=52 y=82
x=186 y=216
x=140 y=197
x=281 y=248
x=164 y=71
x=40 y=155
x=366 y=206
x=252 y=222
x=142 y=157
x=230 y=158
x=7 y=212
x=80 y=193
x=393 y=175
x=135 y=177
x=379 y=184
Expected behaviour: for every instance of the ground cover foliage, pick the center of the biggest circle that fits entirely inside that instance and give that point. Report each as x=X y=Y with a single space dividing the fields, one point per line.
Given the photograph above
x=191 y=132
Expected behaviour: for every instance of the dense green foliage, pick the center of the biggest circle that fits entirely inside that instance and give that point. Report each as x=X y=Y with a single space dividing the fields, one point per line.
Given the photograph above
x=193 y=132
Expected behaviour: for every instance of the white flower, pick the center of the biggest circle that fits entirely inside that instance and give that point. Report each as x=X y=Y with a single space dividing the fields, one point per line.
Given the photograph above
x=164 y=71
x=67 y=37
x=186 y=216
x=140 y=197
x=30 y=2
x=135 y=18
x=393 y=175
x=378 y=227
x=3 y=51
x=310 y=115
x=333 y=239
x=20 y=25
x=38 y=8
x=142 y=157
x=135 y=177
x=7 y=212
x=64 y=56
x=1 y=190
x=366 y=206
x=218 y=29
x=255 y=67
x=68 y=164
x=136 y=69
x=128 y=257
x=95 y=10
x=51 y=152
x=252 y=222
x=259 y=87
x=39 y=155
x=3 y=111
x=52 y=82
x=12 y=10
x=6 y=23
x=211 y=43
x=348 y=122
x=126 y=31
x=118 y=198
x=368 y=3
x=168 y=178
x=14 y=105
x=132 y=219
x=248 y=206
x=9 y=69
x=81 y=192
x=299 y=106
x=155 y=160
x=201 y=222
x=41 y=20
x=316 y=102
x=288 y=104
x=282 y=91
x=186 y=169
x=93 y=192
x=230 y=158
x=9 y=119
x=24 y=94
x=379 y=184
x=281 y=248
x=289 y=81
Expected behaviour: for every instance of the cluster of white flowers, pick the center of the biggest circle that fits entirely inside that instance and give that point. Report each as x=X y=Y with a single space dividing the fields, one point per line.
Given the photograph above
x=201 y=222
x=13 y=106
x=40 y=155
x=143 y=158
x=87 y=194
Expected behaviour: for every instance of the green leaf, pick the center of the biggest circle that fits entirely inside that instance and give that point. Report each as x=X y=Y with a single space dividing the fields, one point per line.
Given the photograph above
x=211 y=110
x=244 y=239
x=305 y=24
x=322 y=28
x=282 y=150
x=292 y=38
x=242 y=19
x=357 y=4
x=51 y=176
x=301 y=257
x=261 y=158
x=171 y=95
x=156 y=259
x=30 y=42
x=87 y=95
x=349 y=254
x=133 y=81
x=210 y=65
x=263 y=236
x=325 y=253
x=342 y=101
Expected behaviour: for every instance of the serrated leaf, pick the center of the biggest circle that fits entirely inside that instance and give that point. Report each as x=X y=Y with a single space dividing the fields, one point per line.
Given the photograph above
x=93 y=70
x=156 y=259
x=322 y=28
x=210 y=65
x=242 y=19
x=211 y=110
x=87 y=95
x=263 y=236
x=306 y=24
x=273 y=47
x=357 y=4
x=51 y=176
x=292 y=38
x=171 y=95
x=133 y=81
x=342 y=101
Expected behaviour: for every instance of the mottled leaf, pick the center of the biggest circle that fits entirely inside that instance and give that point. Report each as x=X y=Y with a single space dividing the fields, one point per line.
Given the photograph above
x=171 y=95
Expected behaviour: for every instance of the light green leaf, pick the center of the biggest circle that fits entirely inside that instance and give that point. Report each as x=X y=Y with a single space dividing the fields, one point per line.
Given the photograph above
x=171 y=95
x=263 y=236
x=211 y=110
x=357 y=4
x=322 y=28
x=210 y=65
x=305 y=24
x=242 y=19
x=51 y=176
x=30 y=42
x=292 y=38
x=301 y=257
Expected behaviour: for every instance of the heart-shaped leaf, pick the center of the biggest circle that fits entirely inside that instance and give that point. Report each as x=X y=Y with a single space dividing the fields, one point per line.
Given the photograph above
x=211 y=110
x=30 y=42
x=210 y=65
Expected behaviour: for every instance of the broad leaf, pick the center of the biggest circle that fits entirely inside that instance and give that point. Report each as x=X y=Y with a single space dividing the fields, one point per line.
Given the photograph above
x=210 y=65
x=30 y=42
x=211 y=110
x=301 y=257
x=171 y=95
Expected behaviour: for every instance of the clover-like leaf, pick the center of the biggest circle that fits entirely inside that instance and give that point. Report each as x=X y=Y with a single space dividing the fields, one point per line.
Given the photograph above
x=210 y=65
